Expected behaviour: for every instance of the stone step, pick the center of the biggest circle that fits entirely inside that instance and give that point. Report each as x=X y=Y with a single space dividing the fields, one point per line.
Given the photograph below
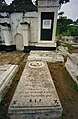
x=43 y=44
x=7 y=73
x=35 y=96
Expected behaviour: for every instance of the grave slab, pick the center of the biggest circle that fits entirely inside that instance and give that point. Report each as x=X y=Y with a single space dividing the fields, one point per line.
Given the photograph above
x=49 y=56
x=72 y=66
x=63 y=51
x=7 y=73
x=35 y=96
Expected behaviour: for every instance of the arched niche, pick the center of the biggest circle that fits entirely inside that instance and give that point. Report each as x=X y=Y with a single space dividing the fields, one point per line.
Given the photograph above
x=19 y=42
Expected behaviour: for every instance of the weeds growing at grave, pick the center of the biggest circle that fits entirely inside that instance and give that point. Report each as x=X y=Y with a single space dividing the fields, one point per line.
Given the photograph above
x=63 y=115
x=3 y=111
x=70 y=47
x=75 y=86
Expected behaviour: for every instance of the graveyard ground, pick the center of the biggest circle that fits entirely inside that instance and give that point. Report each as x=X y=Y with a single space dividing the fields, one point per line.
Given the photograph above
x=66 y=88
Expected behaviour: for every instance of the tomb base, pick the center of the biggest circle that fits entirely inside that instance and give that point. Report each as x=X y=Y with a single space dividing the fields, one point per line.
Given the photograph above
x=35 y=96
x=48 y=56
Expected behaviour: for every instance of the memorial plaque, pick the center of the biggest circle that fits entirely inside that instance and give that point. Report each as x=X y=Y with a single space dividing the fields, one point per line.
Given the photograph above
x=35 y=96
x=47 y=24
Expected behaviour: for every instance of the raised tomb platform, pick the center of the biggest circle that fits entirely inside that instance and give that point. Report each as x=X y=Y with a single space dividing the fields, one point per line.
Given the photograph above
x=7 y=73
x=72 y=66
x=35 y=96
x=48 y=56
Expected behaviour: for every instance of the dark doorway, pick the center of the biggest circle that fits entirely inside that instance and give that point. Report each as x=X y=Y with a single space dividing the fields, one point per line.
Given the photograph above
x=47 y=19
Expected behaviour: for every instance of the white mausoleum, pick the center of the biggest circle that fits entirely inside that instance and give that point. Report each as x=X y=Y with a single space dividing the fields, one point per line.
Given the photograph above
x=24 y=26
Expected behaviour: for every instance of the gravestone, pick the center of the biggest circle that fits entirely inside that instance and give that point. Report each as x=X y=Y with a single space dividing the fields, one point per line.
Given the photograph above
x=72 y=66
x=7 y=73
x=35 y=96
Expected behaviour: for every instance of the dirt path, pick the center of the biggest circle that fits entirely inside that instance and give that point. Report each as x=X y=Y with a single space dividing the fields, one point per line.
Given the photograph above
x=66 y=89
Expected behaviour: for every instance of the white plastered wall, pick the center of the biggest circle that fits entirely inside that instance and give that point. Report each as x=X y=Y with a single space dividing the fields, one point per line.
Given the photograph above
x=16 y=27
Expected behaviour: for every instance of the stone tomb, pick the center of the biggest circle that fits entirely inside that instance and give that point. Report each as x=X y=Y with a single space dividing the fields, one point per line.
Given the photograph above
x=72 y=66
x=7 y=73
x=49 y=56
x=35 y=96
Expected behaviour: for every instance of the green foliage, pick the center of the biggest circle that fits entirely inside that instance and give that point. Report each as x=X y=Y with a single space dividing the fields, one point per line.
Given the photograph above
x=63 y=1
x=67 y=27
x=2 y=3
x=70 y=47
x=75 y=86
x=63 y=115
x=3 y=110
x=58 y=43
x=61 y=13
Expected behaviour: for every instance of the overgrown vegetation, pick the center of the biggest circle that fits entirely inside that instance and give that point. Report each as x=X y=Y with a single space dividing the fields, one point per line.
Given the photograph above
x=75 y=86
x=63 y=115
x=2 y=3
x=67 y=27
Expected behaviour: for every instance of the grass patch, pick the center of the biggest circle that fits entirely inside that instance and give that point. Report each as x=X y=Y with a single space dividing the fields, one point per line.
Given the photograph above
x=63 y=115
x=75 y=86
x=70 y=47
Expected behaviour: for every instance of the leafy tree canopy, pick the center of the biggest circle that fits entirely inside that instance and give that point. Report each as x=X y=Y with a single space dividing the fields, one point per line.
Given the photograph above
x=60 y=13
x=67 y=27
x=63 y=1
x=2 y=3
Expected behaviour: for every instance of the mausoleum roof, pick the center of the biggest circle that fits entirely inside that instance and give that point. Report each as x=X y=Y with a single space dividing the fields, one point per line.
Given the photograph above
x=19 y=6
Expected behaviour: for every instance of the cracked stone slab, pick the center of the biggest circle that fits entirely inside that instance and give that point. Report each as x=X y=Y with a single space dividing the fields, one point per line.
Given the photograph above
x=7 y=73
x=72 y=66
x=35 y=96
x=49 y=56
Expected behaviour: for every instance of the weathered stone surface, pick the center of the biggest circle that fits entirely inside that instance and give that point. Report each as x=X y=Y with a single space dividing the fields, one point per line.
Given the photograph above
x=19 y=42
x=7 y=73
x=72 y=66
x=49 y=56
x=63 y=50
x=35 y=96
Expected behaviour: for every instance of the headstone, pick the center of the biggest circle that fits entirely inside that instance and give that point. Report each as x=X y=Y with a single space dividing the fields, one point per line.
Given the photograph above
x=72 y=66
x=35 y=96
x=7 y=73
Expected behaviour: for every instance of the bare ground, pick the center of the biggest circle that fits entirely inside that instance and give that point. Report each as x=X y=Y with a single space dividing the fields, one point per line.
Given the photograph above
x=67 y=91
x=74 y=50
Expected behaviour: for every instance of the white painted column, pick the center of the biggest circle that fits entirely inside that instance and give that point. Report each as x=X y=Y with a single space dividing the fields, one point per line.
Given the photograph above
x=39 y=27
x=7 y=35
x=54 y=26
